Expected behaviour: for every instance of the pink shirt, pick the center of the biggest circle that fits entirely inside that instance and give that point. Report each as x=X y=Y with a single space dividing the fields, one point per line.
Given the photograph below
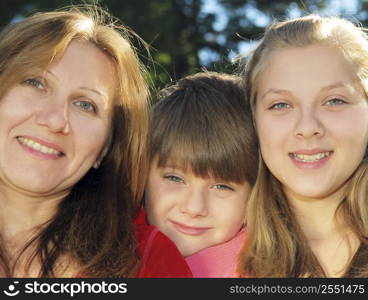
x=217 y=261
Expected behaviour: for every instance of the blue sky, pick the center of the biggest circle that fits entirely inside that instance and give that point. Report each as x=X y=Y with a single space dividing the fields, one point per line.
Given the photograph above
x=334 y=7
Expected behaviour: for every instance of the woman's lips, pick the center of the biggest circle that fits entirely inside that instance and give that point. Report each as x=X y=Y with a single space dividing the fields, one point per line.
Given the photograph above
x=189 y=230
x=40 y=148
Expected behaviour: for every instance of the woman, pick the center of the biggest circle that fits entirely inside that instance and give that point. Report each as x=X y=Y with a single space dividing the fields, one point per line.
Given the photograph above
x=307 y=216
x=73 y=106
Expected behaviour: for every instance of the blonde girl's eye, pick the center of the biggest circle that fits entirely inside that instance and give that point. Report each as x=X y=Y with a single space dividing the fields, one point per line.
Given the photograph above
x=335 y=102
x=36 y=83
x=86 y=106
x=174 y=178
x=279 y=106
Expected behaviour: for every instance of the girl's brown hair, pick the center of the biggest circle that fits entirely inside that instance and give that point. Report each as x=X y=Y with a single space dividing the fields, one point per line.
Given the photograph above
x=204 y=123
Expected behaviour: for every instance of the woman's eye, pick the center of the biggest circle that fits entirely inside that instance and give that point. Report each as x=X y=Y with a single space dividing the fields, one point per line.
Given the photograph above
x=34 y=83
x=222 y=187
x=335 y=101
x=173 y=178
x=86 y=106
x=280 y=105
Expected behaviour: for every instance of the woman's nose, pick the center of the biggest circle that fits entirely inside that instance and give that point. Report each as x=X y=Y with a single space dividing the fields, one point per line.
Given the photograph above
x=54 y=115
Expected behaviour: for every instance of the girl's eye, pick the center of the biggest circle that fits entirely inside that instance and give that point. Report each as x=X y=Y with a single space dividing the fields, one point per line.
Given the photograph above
x=221 y=186
x=335 y=101
x=279 y=106
x=173 y=178
x=34 y=83
x=86 y=106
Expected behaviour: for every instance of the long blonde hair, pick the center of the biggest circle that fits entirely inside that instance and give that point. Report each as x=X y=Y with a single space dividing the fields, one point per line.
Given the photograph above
x=94 y=223
x=277 y=246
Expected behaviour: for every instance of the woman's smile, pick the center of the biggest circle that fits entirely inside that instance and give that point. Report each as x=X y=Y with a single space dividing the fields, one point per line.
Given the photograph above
x=40 y=148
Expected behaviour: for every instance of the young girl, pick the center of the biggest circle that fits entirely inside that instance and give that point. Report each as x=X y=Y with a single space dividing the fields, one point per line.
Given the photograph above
x=307 y=216
x=203 y=164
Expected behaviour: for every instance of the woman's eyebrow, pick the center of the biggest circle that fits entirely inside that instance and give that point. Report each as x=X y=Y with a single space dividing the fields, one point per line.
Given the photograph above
x=100 y=93
x=96 y=91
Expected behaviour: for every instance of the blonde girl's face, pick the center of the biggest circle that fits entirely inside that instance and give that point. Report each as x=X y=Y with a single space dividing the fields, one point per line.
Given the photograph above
x=194 y=212
x=312 y=120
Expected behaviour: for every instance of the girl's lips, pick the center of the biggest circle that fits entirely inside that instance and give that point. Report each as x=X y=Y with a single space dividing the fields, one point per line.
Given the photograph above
x=189 y=230
x=310 y=160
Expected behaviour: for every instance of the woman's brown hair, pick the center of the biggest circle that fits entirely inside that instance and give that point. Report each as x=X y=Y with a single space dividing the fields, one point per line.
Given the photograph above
x=94 y=223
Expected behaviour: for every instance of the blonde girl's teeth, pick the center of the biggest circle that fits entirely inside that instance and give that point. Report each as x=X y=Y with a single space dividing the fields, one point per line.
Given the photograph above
x=313 y=157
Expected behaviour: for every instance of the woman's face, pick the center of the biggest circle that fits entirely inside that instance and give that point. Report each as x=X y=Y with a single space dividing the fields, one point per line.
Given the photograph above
x=54 y=125
x=312 y=120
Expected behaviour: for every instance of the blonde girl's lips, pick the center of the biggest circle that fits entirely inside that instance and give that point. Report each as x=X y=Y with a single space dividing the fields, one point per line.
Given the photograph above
x=190 y=230
x=314 y=160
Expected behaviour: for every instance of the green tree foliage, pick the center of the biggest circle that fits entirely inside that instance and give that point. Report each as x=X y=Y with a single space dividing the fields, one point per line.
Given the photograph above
x=179 y=31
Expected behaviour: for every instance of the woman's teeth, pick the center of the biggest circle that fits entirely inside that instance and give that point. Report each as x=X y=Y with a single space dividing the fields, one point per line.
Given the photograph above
x=38 y=147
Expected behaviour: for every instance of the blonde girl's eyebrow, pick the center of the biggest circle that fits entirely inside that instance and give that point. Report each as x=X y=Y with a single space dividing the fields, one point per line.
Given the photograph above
x=276 y=91
x=283 y=92
x=333 y=86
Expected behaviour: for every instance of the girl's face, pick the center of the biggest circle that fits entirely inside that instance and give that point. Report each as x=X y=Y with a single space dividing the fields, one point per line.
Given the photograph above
x=194 y=212
x=312 y=120
x=54 y=125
